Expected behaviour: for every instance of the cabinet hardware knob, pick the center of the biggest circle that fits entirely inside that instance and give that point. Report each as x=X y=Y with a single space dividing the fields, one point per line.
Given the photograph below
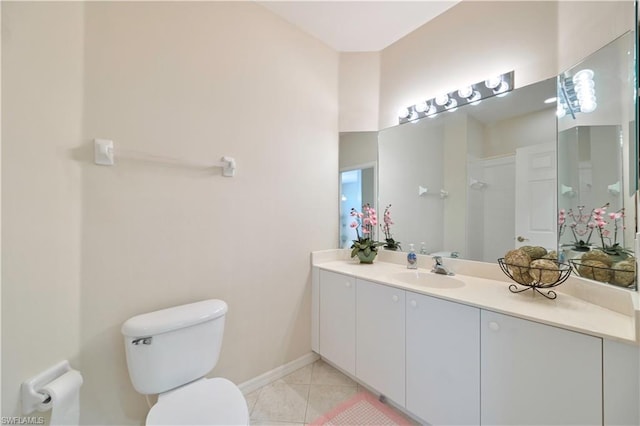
x=414 y=304
x=494 y=326
x=395 y=298
x=347 y=284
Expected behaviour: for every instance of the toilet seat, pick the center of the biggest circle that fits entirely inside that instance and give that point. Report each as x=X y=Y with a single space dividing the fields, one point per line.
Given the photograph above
x=205 y=402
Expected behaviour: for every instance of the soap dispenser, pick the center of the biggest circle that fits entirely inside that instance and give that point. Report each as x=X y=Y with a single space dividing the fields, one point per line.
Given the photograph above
x=412 y=258
x=423 y=248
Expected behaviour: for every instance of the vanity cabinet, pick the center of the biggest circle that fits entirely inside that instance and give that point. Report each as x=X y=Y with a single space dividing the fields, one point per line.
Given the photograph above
x=443 y=360
x=380 y=338
x=537 y=374
x=451 y=364
x=337 y=320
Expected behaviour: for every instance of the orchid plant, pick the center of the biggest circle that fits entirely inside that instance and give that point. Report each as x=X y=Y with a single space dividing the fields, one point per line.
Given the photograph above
x=583 y=225
x=580 y=225
x=364 y=223
x=390 y=244
x=599 y=218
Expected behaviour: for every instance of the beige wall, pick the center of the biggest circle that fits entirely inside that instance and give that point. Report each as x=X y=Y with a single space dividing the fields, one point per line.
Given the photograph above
x=467 y=43
x=87 y=246
x=359 y=91
x=475 y=39
x=42 y=78
x=586 y=26
x=358 y=148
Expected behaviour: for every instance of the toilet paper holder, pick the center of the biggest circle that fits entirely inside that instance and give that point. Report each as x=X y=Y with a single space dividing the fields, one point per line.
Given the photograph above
x=32 y=394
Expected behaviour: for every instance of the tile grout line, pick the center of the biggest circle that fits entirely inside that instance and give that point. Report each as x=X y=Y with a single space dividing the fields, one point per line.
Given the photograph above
x=306 y=408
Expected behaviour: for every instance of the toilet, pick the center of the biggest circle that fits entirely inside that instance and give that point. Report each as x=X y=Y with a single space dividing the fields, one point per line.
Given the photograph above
x=169 y=352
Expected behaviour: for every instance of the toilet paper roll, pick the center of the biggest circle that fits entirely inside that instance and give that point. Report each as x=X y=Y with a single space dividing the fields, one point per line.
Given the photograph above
x=65 y=399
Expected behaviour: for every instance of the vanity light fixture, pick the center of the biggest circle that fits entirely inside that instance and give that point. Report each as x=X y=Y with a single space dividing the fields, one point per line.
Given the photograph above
x=577 y=94
x=471 y=94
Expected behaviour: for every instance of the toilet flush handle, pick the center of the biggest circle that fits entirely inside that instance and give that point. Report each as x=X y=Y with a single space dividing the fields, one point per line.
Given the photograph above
x=143 y=340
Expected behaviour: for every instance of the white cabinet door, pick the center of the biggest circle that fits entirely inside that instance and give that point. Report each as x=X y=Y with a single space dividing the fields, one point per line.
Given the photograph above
x=443 y=361
x=621 y=387
x=380 y=350
x=535 y=374
x=338 y=320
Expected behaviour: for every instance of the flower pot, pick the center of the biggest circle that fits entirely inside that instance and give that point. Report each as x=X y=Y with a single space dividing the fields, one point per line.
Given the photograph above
x=367 y=258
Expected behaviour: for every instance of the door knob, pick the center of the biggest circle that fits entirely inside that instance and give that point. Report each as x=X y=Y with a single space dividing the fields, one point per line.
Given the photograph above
x=521 y=239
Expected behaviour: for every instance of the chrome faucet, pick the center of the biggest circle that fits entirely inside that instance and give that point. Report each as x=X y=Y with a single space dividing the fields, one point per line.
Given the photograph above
x=439 y=268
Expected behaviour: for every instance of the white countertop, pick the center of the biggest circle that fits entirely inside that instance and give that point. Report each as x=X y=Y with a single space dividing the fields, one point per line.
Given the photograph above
x=612 y=316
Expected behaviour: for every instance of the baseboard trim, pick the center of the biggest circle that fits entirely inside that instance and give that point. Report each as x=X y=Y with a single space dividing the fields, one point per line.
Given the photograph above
x=277 y=373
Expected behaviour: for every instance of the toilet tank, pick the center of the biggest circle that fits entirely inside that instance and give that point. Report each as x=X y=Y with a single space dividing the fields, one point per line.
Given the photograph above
x=174 y=346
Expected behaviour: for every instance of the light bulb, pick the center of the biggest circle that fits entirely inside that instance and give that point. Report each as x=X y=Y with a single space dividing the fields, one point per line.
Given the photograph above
x=585 y=74
x=432 y=110
x=403 y=113
x=465 y=92
x=414 y=117
x=421 y=106
x=560 y=111
x=584 y=85
x=442 y=99
x=550 y=100
x=585 y=94
x=588 y=106
x=493 y=82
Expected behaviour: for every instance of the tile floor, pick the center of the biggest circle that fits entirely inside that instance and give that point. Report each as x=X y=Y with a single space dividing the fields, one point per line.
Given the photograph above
x=301 y=397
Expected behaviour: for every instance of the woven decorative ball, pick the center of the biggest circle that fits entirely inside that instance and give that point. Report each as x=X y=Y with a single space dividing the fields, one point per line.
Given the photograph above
x=624 y=273
x=534 y=252
x=518 y=263
x=595 y=270
x=544 y=271
x=598 y=255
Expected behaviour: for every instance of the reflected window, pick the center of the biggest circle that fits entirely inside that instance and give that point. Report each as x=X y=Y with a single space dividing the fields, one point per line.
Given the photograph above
x=357 y=187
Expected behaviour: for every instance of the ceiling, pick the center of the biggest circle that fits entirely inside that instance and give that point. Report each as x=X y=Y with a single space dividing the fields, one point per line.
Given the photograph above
x=358 y=26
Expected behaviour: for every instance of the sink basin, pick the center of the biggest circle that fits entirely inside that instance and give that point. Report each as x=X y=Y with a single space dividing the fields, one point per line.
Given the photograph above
x=427 y=279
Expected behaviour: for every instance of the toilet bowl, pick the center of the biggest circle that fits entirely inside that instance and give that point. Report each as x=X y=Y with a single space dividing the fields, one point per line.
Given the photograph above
x=205 y=402
x=169 y=352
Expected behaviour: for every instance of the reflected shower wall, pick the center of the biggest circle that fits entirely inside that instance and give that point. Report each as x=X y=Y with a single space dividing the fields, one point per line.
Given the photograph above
x=591 y=175
x=411 y=158
x=491 y=188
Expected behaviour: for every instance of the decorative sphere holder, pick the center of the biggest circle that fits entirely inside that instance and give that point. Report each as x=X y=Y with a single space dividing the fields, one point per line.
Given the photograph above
x=514 y=271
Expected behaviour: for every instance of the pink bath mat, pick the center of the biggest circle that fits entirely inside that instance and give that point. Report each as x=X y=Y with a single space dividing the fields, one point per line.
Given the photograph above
x=362 y=409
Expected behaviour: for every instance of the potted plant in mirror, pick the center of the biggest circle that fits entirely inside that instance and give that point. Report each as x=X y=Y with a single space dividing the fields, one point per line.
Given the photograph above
x=364 y=247
x=390 y=243
x=580 y=224
x=611 y=245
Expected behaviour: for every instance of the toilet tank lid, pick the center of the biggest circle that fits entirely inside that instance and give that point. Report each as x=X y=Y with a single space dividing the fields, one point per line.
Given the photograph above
x=174 y=318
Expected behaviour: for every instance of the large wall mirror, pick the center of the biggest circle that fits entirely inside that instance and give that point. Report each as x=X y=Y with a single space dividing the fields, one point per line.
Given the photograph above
x=452 y=178
x=597 y=164
x=486 y=178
